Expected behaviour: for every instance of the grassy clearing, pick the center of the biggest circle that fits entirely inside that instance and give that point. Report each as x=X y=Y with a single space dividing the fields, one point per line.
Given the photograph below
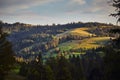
x=93 y=42
x=14 y=76
x=78 y=31
x=88 y=43
x=81 y=31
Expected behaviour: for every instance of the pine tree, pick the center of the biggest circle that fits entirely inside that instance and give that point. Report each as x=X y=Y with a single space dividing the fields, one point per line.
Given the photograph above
x=112 y=65
x=6 y=55
x=116 y=4
x=36 y=69
x=49 y=75
x=63 y=72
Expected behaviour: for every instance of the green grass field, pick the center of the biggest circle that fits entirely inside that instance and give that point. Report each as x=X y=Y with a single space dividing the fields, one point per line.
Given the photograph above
x=88 y=43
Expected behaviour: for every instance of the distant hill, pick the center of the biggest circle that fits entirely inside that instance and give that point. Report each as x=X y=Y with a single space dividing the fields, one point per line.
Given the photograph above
x=28 y=40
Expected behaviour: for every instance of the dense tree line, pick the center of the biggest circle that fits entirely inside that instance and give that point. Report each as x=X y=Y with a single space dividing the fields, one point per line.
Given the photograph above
x=90 y=66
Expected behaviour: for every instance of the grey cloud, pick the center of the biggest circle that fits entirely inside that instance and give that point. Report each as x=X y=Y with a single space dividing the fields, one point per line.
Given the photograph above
x=98 y=6
x=20 y=4
x=80 y=2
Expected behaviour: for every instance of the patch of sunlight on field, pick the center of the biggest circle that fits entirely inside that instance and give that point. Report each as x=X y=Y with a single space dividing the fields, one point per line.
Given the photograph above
x=78 y=31
x=81 y=31
x=66 y=46
x=88 y=43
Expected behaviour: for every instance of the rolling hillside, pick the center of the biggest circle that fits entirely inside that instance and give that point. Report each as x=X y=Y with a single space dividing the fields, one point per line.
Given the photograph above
x=29 y=40
x=89 y=41
x=83 y=32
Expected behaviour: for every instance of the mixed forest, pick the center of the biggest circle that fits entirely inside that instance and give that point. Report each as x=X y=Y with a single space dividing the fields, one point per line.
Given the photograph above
x=73 y=51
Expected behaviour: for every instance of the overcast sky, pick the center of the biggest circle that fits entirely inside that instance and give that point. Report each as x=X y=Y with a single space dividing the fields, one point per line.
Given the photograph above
x=55 y=11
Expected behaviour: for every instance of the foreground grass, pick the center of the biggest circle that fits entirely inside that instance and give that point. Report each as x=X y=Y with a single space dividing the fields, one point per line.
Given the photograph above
x=14 y=76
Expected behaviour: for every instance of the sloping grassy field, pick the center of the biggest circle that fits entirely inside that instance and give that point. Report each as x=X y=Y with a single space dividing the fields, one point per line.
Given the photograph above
x=88 y=43
x=78 y=31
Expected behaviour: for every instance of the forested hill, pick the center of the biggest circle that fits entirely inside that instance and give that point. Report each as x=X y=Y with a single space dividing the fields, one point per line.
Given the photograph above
x=22 y=26
x=29 y=40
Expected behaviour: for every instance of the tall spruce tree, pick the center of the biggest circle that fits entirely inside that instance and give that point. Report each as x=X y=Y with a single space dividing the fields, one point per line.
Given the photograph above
x=63 y=72
x=116 y=5
x=6 y=54
x=49 y=75
x=112 y=64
